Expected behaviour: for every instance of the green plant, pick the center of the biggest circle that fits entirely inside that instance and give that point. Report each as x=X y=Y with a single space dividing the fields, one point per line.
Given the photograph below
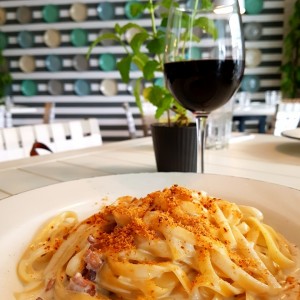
x=150 y=64
x=290 y=82
x=5 y=77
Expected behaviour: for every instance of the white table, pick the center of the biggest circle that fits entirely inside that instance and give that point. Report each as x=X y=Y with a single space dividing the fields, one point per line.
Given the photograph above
x=262 y=157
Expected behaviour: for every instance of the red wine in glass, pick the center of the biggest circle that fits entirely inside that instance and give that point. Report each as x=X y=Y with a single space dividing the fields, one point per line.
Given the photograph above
x=212 y=31
x=203 y=85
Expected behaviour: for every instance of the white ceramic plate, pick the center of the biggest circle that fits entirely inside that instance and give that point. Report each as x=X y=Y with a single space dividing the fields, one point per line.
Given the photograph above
x=293 y=133
x=21 y=215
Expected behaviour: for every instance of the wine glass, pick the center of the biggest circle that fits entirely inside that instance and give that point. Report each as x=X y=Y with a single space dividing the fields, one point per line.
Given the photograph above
x=204 y=58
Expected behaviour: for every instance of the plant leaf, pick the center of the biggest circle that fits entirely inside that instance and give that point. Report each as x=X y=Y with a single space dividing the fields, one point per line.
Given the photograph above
x=160 y=98
x=117 y=28
x=153 y=94
x=137 y=94
x=166 y=103
x=164 y=22
x=128 y=26
x=156 y=45
x=140 y=59
x=168 y=3
x=124 y=67
x=137 y=8
x=138 y=40
x=207 y=25
x=150 y=68
x=207 y=4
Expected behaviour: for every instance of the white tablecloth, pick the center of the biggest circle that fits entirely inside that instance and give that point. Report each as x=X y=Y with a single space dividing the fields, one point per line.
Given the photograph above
x=262 y=157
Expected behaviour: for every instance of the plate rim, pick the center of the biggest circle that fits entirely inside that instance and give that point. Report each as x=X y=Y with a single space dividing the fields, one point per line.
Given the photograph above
x=4 y=203
x=286 y=133
x=57 y=184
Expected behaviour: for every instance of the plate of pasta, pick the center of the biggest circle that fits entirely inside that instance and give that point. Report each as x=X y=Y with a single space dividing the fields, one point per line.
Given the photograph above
x=151 y=236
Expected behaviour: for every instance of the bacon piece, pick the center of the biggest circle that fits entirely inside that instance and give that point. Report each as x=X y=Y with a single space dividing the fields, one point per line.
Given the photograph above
x=93 y=260
x=50 y=284
x=79 y=284
x=91 y=239
x=89 y=274
x=93 y=243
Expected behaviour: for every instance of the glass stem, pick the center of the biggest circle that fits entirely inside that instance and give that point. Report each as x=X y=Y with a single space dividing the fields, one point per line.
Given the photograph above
x=201 y=132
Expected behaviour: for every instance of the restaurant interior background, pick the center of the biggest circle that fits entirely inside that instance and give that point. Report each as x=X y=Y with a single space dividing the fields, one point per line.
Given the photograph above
x=45 y=49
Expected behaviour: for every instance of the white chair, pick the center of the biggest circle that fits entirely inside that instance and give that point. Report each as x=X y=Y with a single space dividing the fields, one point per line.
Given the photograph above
x=11 y=110
x=147 y=119
x=130 y=120
x=287 y=116
x=17 y=142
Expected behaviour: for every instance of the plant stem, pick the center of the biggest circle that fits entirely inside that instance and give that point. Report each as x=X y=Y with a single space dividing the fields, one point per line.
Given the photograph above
x=153 y=25
x=190 y=32
x=151 y=8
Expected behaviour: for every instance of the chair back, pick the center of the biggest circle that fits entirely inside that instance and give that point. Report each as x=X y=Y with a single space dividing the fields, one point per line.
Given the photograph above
x=130 y=120
x=17 y=142
x=147 y=119
x=10 y=110
x=287 y=116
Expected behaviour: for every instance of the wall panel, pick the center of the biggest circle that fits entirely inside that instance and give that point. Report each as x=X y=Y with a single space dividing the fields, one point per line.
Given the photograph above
x=108 y=110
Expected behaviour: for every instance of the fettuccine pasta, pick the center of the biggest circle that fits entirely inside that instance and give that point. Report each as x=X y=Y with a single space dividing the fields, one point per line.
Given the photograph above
x=171 y=244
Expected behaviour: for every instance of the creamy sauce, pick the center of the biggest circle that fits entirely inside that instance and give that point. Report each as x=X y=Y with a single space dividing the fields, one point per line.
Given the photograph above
x=291 y=286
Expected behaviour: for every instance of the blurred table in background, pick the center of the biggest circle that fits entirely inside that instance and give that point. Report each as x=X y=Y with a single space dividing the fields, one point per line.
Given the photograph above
x=256 y=111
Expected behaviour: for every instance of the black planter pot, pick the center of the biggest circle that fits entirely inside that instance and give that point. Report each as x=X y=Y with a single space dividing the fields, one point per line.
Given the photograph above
x=175 y=147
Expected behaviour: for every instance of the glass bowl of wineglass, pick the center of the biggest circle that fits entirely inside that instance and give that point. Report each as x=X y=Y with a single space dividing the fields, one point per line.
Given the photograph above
x=204 y=58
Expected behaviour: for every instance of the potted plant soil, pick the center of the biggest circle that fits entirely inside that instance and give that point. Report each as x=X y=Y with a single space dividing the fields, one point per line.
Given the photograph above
x=174 y=137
